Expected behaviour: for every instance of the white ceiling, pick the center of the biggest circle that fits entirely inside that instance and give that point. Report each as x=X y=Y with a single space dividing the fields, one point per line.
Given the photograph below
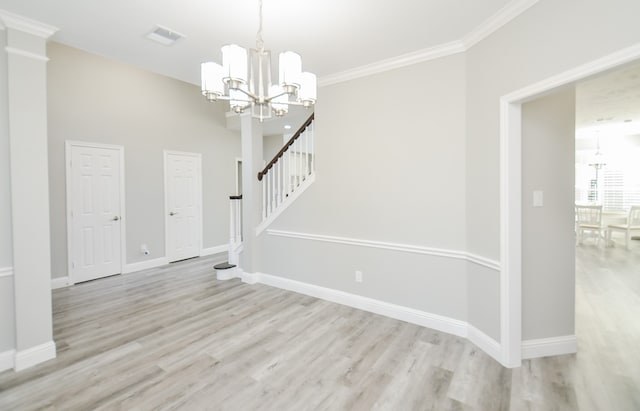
x=608 y=105
x=331 y=35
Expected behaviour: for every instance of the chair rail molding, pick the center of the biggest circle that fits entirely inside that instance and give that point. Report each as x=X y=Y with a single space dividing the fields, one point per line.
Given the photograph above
x=6 y=272
x=407 y=248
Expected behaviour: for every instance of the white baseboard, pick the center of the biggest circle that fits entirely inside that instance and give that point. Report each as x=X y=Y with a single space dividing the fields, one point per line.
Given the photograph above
x=484 y=342
x=35 y=355
x=7 y=360
x=546 y=347
x=145 y=265
x=214 y=250
x=410 y=315
x=249 y=278
x=61 y=282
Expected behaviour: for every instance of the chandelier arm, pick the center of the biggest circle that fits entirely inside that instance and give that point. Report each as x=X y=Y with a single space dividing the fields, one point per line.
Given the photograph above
x=253 y=97
x=296 y=103
x=269 y=98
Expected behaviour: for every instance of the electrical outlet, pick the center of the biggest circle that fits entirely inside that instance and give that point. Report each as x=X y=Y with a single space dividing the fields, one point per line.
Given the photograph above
x=358 y=276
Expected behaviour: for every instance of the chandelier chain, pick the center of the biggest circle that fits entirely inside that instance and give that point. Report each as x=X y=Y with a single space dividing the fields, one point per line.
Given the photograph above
x=259 y=40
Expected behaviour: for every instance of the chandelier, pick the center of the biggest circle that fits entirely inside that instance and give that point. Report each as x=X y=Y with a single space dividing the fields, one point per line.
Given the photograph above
x=244 y=79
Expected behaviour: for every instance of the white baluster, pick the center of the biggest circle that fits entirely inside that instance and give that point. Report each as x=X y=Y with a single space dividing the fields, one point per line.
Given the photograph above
x=268 y=194
x=313 y=148
x=298 y=163
x=273 y=189
x=289 y=167
x=280 y=198
x=232 y=222
x=264 y=198
x=306 y=155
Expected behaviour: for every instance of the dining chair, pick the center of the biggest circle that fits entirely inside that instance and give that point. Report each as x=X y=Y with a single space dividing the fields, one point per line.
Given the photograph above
x=589 y=223
x=632 y=225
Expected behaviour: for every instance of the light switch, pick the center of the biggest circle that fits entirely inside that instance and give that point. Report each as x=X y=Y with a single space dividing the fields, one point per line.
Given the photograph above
x=538 y=198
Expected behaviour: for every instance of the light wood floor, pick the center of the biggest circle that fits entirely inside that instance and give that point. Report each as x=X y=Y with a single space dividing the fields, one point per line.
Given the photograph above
x=176 y=338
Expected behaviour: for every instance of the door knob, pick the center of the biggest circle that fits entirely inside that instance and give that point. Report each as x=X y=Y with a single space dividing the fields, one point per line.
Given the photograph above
x=116 y=218
x=172 y=213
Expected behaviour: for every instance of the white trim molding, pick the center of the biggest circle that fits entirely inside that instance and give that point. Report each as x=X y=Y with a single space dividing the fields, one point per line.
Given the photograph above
x=393 y=63
x=28 y=54
x=510 y=193
x=411 y=315
x=484 y=342
x=214 y=250
x=26 y=25
x=145 y=265
x=35 y=355
x=6 y=272
x=61 y=282
x=7 y=360
x=407 y=248
x=509 y=12
x=546 y=347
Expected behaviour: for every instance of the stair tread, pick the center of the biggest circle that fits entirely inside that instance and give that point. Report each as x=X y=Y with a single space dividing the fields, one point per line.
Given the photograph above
x=223 y=266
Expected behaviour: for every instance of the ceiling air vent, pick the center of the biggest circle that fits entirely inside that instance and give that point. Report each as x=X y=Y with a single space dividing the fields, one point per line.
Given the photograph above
x=164 y=35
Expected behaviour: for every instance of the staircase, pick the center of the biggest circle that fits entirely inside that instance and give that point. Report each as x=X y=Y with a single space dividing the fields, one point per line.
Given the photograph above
x=288 y=174
x=284 y=178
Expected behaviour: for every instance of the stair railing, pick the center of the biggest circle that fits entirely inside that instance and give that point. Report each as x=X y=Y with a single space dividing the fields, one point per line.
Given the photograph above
x=288 y=169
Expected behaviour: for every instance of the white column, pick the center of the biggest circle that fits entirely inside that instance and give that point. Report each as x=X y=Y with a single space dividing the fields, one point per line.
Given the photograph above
x=252 y=163
x=27 y=97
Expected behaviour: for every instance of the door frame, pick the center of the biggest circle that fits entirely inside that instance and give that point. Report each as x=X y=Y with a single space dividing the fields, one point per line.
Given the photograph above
x=511 y=190
x=68 y=145
x=198 y=156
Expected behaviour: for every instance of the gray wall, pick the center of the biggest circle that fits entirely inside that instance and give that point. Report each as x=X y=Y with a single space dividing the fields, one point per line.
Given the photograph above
x=95 y=99
x=7 y=308
x=392 y=171
x=549 y=38
x=6 y=257
x=270 y=146
x=548 y=244
x=377 y=162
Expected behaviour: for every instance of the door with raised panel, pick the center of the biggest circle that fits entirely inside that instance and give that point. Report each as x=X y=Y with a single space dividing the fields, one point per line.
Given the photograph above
x=94 y=191
x=183 y=205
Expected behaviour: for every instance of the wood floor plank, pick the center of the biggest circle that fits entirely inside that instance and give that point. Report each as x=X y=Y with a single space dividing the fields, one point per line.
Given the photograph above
x=175 y=338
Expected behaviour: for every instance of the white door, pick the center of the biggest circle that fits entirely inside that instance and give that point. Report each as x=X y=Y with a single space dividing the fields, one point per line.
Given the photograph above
x=94 y=191
x=183 y=201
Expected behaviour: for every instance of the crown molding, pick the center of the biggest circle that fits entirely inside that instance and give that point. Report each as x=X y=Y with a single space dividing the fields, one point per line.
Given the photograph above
x=14 y=21
x=512 y=10
x=509 y=12
x=403 y=60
